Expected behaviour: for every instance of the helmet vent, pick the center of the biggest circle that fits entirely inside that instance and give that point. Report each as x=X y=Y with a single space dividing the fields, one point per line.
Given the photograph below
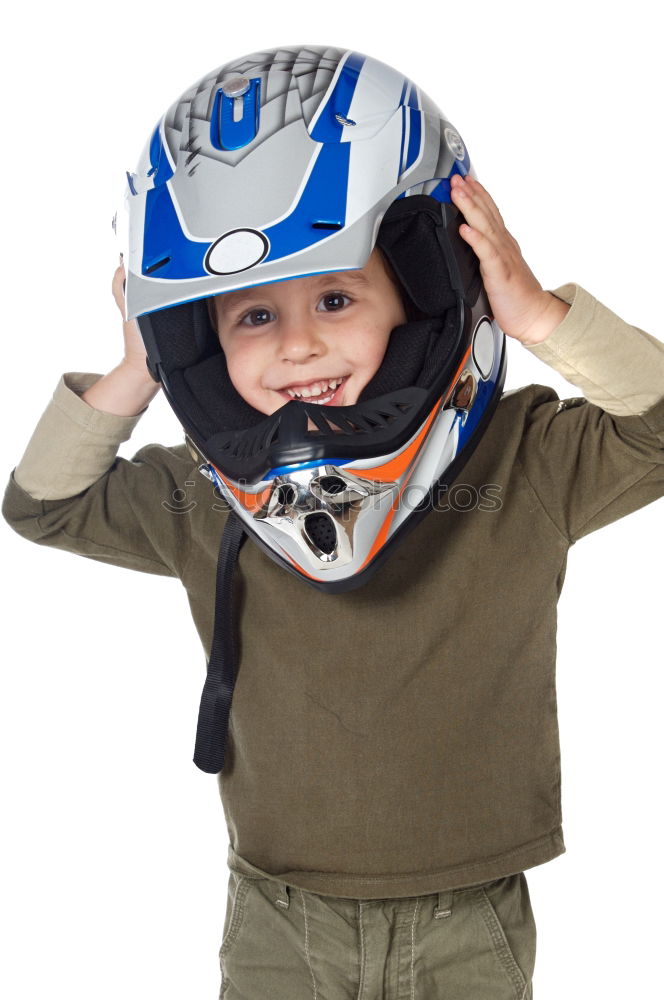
x=336 y=425
x=271 y=436
x=154 y=267
x=250 y=443
x=285 y=495
x=332 y=484
x=321 y=532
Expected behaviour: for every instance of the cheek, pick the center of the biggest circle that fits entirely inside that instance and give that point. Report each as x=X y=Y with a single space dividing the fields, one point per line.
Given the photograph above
x=374 y=349
x=362 y=341
x=242 y=361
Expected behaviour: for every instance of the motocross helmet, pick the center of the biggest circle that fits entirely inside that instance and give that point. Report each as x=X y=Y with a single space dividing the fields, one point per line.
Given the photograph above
x=294 y=162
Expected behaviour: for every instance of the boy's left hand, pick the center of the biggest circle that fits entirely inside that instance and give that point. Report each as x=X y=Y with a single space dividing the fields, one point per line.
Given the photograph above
x=521 y=308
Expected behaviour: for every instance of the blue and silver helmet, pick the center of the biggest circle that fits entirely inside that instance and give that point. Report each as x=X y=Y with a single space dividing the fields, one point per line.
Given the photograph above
x=294 y=162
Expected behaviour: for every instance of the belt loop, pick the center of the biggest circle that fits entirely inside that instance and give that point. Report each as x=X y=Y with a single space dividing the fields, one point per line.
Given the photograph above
x=282 y=899
x=444 y=907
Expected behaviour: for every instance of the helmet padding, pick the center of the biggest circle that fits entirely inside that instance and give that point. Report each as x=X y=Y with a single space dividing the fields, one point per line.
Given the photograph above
x=195 y=366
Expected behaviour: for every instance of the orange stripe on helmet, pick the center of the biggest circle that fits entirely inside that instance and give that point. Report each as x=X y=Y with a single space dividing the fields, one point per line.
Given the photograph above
x=411 y=452
x=250 y=501
x=396 y=466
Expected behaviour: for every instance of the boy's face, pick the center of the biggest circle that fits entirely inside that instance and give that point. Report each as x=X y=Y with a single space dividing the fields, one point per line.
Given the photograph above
x=302 y=333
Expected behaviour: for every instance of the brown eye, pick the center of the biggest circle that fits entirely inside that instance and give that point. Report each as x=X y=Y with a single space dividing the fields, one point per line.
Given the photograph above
x=261 y=317
x=334 y=301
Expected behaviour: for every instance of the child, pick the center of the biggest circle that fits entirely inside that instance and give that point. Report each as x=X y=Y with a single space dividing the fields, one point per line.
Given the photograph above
x=391 y=763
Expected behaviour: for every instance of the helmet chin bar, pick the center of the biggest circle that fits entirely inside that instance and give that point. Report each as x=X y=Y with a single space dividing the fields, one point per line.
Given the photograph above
x=324 y=508
x=359 y=430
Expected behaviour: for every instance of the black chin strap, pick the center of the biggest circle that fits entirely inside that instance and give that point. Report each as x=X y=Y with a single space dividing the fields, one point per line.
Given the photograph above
x=218 y=689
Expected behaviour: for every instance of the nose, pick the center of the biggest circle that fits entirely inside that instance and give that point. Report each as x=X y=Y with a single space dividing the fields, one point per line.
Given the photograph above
x=299 y=339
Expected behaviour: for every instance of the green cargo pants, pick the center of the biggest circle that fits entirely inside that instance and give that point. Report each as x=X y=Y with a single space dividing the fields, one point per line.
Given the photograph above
x=283 y=943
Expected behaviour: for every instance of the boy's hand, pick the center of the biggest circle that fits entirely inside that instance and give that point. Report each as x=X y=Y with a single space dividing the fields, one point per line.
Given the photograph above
x=128 y=388
x=521 y=308
x=135 y=355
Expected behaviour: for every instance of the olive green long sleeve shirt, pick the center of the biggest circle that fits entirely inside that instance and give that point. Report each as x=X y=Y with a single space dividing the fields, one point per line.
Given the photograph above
x=402 y=738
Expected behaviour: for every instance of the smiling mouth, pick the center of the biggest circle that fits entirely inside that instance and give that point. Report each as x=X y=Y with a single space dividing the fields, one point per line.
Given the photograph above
x=321 y=399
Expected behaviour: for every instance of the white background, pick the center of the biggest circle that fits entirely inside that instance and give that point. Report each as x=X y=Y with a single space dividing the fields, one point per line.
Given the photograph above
x=113 y=843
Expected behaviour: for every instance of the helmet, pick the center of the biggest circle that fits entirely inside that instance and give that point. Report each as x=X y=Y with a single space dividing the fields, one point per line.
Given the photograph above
x=294 y=162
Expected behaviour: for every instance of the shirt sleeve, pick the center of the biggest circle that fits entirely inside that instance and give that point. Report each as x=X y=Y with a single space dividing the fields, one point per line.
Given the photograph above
x=73 y=444
x=595 y=458
x=617 y=366
x=70 y=490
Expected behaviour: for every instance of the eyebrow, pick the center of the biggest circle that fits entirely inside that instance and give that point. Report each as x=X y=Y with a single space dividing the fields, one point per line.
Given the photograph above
x=232 y=299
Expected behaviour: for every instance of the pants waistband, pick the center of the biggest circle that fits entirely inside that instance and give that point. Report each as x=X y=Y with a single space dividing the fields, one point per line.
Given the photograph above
x=283 y=890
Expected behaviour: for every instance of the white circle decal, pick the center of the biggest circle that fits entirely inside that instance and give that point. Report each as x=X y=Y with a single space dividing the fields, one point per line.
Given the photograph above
x=236 y=251
x=483 y=347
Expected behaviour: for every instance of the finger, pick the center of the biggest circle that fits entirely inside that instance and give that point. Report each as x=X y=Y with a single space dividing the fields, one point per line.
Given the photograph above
x=479 y=213
x=478 y=196
x=476 y=213
x=483 y=196
x=493 y=264
x=480 y=243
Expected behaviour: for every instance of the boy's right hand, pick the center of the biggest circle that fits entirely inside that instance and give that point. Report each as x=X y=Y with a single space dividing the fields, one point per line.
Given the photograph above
x=135 y=356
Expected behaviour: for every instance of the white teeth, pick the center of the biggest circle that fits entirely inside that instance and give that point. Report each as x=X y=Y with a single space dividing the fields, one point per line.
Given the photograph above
x=316 y=388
